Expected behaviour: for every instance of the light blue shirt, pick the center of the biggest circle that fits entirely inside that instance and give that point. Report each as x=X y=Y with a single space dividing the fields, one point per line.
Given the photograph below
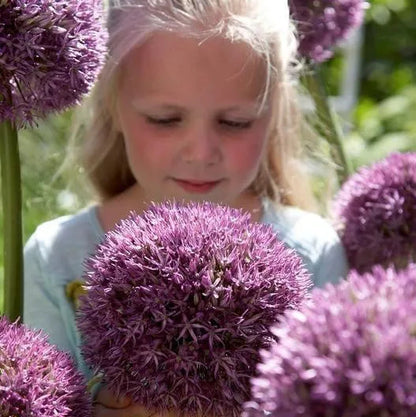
x=55 y=254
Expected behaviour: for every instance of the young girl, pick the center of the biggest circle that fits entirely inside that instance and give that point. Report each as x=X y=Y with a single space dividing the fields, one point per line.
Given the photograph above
x=196 y=102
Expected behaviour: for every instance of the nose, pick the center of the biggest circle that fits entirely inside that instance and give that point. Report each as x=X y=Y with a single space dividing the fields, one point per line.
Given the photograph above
x=202 y=145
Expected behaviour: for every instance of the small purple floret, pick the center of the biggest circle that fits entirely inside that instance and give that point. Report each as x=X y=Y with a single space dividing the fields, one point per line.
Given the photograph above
x=376 y=209
x=322 y=24
x=50 y=54
x=179 y=302
x=351 y=351
x=37 y=380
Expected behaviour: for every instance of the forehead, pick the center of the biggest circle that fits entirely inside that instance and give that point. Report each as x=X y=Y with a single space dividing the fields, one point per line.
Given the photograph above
x=169 y=62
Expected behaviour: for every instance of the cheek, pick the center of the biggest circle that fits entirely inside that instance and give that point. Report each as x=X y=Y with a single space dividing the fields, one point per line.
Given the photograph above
x=146 y=150
x=246 y=156
x=144 y=147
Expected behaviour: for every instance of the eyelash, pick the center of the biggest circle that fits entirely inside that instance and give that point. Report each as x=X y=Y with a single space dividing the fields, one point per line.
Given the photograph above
x=174 y=120
x=237 y=125
x=163 y=122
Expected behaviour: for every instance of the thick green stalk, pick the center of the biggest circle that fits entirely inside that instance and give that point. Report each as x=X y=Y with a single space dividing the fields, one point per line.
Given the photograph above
x=327 y=124
x=12 y=221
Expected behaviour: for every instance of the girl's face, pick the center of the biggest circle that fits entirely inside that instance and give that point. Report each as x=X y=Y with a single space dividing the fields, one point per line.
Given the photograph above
x=188 y=111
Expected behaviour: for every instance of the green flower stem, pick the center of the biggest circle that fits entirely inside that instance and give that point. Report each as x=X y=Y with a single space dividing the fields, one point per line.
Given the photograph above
x=327 y=124
x=12 y=221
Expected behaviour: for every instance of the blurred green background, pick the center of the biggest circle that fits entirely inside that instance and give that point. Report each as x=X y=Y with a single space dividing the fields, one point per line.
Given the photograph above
x=383 y=120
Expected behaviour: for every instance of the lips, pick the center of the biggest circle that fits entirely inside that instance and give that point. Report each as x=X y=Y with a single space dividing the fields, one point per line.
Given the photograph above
x=194 y=186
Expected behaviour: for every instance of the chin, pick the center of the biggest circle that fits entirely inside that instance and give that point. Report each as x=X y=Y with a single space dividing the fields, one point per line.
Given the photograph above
x=199 y=198
x=187 y=198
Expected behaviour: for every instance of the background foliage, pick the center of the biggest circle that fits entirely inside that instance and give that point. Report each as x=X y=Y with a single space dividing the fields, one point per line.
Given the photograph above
x=384 y=119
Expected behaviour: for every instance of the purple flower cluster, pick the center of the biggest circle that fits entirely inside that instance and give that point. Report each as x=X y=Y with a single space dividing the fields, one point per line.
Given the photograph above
x=179 y=302
x=351 y=351
x=37 y=380
x=50 y=55
x=322 y=24
x=376 y=208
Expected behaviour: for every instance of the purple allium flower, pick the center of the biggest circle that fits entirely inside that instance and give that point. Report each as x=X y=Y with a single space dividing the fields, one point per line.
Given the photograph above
x=50 y=54
x=376 y=208
x=37 y=380
x=322 y=24
x=350 y=351
x=179 y=302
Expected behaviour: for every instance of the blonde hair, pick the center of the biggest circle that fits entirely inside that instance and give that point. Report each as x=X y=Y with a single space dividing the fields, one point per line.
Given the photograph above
x=262 y=24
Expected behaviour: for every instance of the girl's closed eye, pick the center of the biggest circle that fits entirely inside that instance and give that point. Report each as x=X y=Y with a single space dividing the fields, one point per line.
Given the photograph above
x=236 y=124
x=163 y=121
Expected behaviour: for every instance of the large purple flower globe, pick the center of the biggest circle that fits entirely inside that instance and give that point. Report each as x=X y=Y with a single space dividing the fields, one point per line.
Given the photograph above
x=179 y=302
x=350 y=351
x=50 y=54
x=376 y=208
x=322 y=24
x=37 y=380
